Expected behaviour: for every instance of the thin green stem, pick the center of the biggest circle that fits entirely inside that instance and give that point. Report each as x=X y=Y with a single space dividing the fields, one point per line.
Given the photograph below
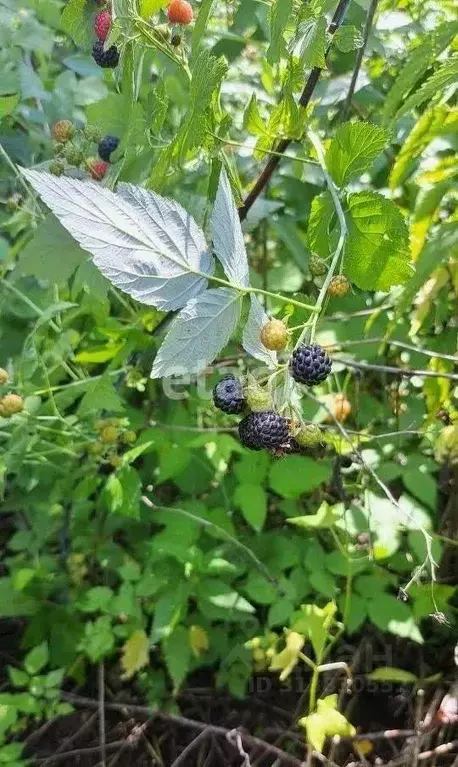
x=315 y=140
x=27 y=301
x=144 y=32
x=284 y=155
x=258 y=291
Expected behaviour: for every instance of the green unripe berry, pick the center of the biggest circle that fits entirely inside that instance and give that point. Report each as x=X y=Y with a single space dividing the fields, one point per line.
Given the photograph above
x=317 y=267
x=258 y=399
x=96 y=448
x=92 y=133
x=116 y=461
x=309 y=436
x=56 y=167
x=109 y=435
x=3 y=376
x=129 y=437
x=73 y=155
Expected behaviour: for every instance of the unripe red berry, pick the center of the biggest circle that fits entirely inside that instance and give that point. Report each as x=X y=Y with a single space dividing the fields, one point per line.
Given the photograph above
x=180 y=12
x=97 y=168
x=274 y=335
x=102 y=24
x=63 y=131
x=339 y=286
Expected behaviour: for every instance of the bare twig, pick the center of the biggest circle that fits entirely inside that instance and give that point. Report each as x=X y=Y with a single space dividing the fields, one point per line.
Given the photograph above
x=359 y=58
x=399 y=344
x=81 y=751
x=182 y=759
x=102 y=728
x=403 y=372
x=249 y=741
x=304 y=101
x=73 y=738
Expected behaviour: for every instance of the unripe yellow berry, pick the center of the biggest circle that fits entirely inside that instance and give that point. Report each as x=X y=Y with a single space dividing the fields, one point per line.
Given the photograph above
x=3 y=376
x=340 y=407
x=10 y=405
x=339 y=286
x=274 y=335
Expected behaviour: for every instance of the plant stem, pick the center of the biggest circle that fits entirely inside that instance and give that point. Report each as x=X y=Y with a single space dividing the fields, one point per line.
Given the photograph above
x=259 y=291
x=304 y=101
x=343 y=233
x=359 y=58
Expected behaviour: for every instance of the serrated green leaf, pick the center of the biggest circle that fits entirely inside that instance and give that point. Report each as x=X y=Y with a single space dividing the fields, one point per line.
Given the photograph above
x=310 y=42
x=437 y=121
x=279 y=17
x=417 y=63
x=353 y=150
x=37 y=658
x=377 y=254
x=348 y=38
x=433 y=88
x=322 y=233
x=252 y=120
x=42 y=256
x=101 y=396
x=296 y=474
x=177 y=654
x=389 y=614
x=205 y=10
x=77 y=21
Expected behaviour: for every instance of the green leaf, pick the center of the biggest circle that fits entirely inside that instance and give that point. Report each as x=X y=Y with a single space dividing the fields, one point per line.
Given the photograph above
x=280 y=613
x=252 y=120
x=168 y=609
x=43 y=254
x=310 y=42
x=148 y=7
x=131 y=492
x=293 y=238
x=8 y=104
x=101 y=395
x=389 y=614
x=353 y=150
x=322 y=233
x=98 y=640
x=348 y=38
x=325 y=517
x=417 y=63
x=37 y=658
x=433 y=88
x=18 y=677
x=177 y=655
x=437 y=121
x=252 y=500
x=280 y=13
x=392 y=674
x=77 y=21
x=316 y=622
x=259 y=589
x=377 y=254
x=296 y=474
x=205 y=10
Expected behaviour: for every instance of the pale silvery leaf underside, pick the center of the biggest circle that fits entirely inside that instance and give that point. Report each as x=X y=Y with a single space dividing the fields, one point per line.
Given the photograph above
x=251 y=340
x=146 y=245
x=198 y=334
x=227 y=235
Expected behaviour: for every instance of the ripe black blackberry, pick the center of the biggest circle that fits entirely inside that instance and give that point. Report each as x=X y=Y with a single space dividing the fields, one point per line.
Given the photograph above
x=108 y=59
x=309 y=364
x=228 y=395
x=107 y=145
x=263 y=430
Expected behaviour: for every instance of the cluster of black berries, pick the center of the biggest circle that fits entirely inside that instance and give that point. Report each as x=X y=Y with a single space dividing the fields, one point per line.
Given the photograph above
x=266 y=429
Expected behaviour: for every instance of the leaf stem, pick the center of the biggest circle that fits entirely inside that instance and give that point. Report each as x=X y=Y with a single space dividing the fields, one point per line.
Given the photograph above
x=259 y=291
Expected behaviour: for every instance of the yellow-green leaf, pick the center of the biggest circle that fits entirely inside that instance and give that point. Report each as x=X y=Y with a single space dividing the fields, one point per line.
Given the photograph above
x=148 y=7
x=135 y=654
x=391 y=674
